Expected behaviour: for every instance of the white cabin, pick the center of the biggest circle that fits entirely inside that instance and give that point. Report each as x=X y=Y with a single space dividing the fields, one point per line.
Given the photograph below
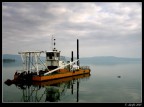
x=52 y=59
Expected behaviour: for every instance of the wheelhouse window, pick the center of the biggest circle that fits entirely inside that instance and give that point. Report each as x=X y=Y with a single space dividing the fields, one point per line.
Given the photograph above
x=50 y=55
x=58 y=54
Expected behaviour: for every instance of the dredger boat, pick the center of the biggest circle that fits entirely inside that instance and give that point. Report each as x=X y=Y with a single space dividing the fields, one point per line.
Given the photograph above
x=53 y=67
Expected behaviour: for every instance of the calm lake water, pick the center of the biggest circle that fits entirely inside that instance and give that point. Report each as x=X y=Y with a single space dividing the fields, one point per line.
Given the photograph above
x=101 y=86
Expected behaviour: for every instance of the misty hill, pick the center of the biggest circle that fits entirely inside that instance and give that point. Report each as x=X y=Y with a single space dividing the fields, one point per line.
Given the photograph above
x=18 y=58
x=109 y=59
x=10 y=56
x=96 y=58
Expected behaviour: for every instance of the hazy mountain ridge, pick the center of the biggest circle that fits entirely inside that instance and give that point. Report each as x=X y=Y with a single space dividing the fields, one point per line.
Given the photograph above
x=110 y=58
x=96 y=58
x=10 y=56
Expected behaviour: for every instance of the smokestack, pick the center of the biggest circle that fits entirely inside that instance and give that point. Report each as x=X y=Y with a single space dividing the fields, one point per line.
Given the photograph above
x=78 y=63
x=72 y=56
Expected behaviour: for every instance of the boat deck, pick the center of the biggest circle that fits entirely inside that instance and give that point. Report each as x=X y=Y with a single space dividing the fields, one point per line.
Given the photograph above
x=62 y=74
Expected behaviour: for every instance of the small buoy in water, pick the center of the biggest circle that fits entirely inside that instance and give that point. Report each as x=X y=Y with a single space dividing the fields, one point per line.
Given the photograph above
x=119 y=76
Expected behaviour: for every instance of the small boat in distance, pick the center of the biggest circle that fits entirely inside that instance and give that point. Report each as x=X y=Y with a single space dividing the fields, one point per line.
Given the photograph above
x=52 y=68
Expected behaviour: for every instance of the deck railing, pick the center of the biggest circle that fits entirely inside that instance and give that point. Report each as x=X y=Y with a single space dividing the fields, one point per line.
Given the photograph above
x=84 y=67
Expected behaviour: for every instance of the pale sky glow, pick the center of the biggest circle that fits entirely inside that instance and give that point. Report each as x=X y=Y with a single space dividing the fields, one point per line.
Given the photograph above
x=103 y=29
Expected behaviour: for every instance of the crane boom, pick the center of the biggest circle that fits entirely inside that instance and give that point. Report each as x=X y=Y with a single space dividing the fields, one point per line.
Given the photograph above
x=60 y=67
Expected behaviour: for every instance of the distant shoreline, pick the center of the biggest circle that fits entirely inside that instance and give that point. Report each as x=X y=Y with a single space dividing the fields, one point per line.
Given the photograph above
x=8 y=60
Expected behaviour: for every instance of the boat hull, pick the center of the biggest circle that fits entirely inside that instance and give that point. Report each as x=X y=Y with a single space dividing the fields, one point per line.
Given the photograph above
x=60 y=75
x=60 y=80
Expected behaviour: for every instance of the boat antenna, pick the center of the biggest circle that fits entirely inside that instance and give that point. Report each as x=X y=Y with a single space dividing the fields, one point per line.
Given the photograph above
x=54 y=44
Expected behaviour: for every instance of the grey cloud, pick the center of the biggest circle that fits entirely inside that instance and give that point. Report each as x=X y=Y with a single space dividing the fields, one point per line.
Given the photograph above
x=31 y=24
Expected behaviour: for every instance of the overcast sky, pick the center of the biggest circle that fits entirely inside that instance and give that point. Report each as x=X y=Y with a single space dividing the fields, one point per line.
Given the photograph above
x=103 y=29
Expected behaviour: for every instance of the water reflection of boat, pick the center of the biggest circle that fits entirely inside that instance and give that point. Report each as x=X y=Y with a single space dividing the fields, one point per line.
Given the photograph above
x=52 y=90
